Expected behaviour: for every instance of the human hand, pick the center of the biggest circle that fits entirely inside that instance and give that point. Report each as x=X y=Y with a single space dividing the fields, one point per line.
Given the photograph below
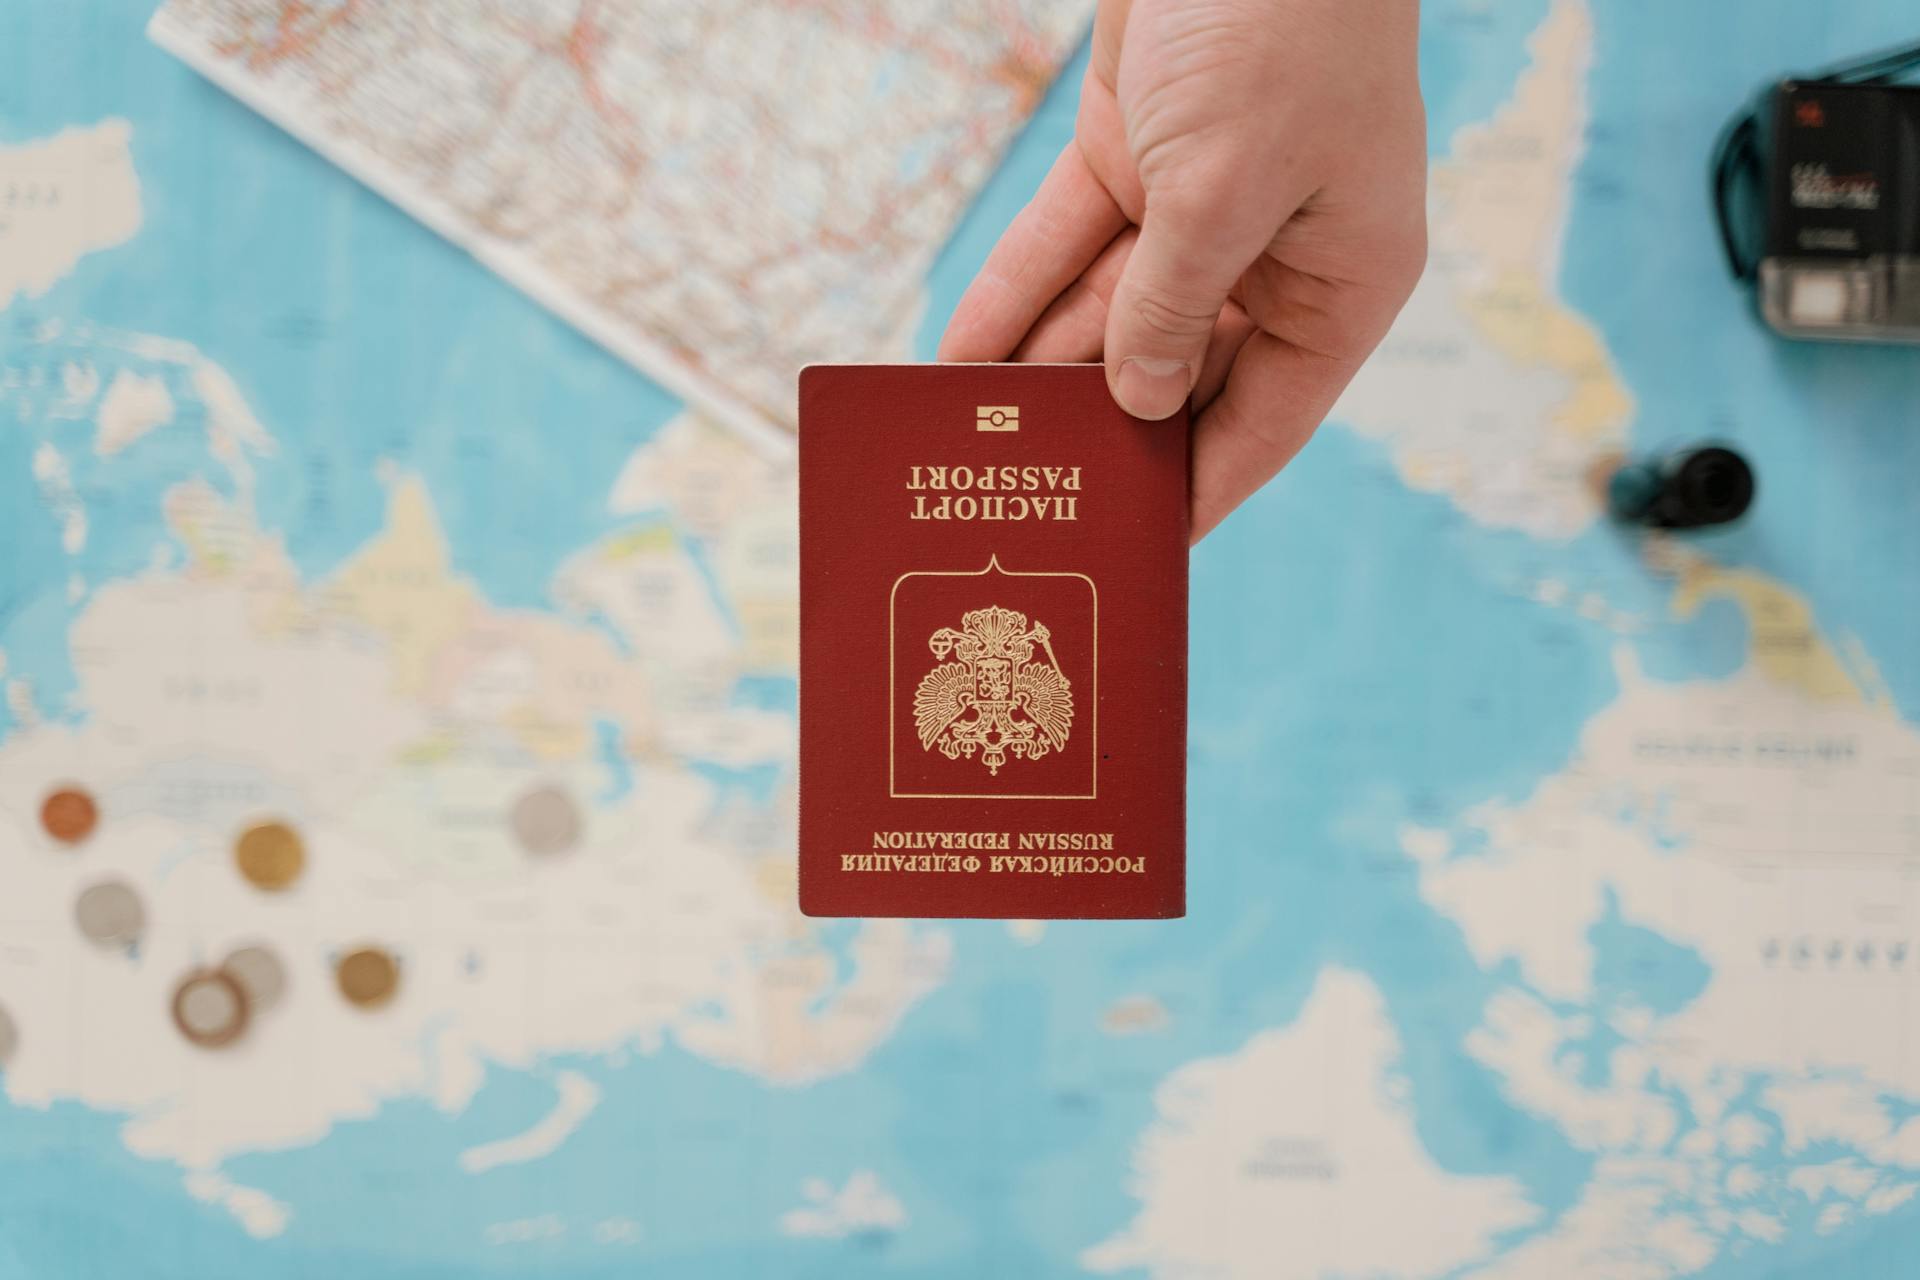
x=1240 y=217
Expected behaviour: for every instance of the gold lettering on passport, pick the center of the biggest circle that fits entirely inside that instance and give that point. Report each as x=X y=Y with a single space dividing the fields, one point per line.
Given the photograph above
x=996 y=699
x=993 y=493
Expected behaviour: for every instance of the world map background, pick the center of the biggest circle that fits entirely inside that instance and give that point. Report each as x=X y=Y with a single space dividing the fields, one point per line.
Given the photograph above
x=1493 y=965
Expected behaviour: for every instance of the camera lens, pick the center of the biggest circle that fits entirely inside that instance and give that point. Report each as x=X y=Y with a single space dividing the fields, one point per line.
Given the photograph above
x=1714 y=486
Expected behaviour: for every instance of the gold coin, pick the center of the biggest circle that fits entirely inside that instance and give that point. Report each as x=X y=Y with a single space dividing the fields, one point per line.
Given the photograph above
x=209 y=1008
x=270 y=855
x=368 y=976
x=69 y=815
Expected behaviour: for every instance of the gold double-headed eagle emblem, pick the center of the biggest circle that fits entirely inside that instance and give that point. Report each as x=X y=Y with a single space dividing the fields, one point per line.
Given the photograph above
x=1019 y=705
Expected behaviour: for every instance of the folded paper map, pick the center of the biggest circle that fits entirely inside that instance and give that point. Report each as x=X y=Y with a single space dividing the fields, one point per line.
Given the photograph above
x=720 y=192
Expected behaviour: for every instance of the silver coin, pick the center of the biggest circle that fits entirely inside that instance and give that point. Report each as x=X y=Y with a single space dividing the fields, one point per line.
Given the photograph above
x=209 y=1008
x=260 y=974
x=9 y=1037
x=110 y=914
x=546 y=821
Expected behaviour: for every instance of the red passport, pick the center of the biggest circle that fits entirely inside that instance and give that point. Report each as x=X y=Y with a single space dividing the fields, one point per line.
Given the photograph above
x=993 y=645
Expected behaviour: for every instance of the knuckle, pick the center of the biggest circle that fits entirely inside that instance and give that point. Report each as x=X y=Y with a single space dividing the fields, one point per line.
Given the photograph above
x=1395 y=264
x=1170 y=314
x=1350 y=333
x=1043 y=222
x=1345 y=331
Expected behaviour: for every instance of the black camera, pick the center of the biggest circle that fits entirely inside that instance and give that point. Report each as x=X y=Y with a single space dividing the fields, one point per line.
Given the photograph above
x=1818 y=194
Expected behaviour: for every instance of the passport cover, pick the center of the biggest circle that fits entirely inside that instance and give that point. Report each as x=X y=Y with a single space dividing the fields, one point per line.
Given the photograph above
x=993 y=645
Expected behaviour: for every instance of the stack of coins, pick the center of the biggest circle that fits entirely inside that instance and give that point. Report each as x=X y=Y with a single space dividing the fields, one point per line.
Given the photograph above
x=210 y=1008
x=214 y=1007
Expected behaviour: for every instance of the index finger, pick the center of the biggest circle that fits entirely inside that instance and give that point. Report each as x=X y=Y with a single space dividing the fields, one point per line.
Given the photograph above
x=1070 y=219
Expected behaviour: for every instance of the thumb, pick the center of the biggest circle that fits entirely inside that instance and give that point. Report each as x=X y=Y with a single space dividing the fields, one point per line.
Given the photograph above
x=1164 y=309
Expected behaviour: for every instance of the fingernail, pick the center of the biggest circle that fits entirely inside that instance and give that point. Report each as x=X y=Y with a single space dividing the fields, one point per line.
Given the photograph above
x=1152 y=388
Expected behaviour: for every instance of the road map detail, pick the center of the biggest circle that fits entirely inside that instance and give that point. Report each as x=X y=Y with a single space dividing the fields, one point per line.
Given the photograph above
x=720 y=193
